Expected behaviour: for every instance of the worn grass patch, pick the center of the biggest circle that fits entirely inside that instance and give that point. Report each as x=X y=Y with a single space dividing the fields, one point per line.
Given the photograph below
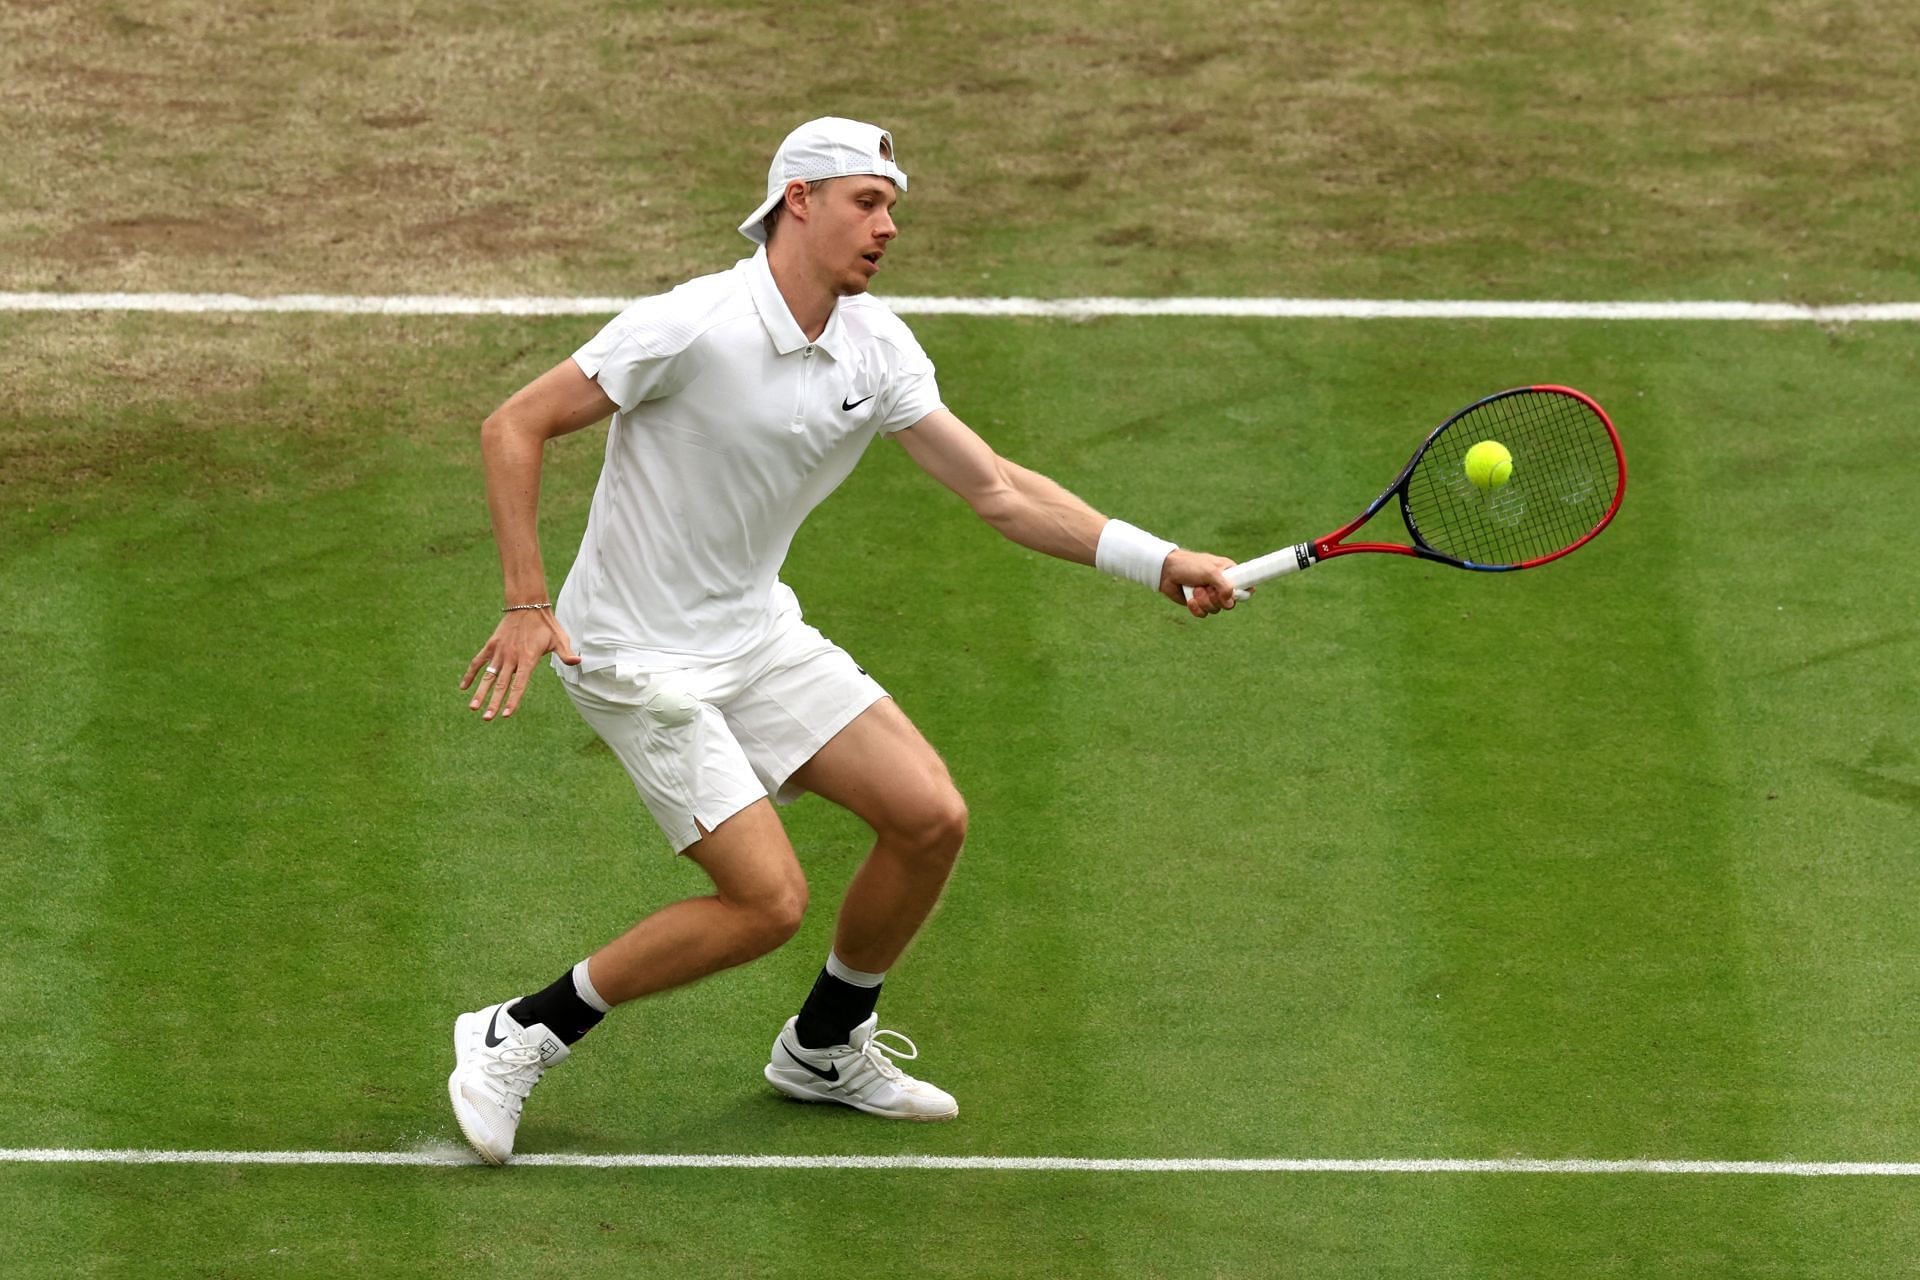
x=1486 y=149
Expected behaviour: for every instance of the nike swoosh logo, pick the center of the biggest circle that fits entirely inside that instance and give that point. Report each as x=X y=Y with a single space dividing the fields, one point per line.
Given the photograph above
x=831 y=1074
x=848 y=406
x=494 y=1041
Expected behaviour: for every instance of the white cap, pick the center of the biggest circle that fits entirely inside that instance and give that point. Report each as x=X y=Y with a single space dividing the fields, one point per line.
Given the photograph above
x=829 y=147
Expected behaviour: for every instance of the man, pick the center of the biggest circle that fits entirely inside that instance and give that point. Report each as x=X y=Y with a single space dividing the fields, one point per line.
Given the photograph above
x=739 y=401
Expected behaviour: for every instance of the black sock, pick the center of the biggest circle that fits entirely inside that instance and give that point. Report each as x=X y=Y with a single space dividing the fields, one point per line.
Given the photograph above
x=560 y=1008
x=833 y=1009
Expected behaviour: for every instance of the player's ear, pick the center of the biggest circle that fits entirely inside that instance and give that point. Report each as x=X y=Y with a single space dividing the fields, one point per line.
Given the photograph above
x=796 y=199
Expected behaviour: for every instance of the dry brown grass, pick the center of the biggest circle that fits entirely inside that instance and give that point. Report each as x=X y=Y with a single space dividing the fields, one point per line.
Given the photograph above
x=118 y=409
x=1128 y=147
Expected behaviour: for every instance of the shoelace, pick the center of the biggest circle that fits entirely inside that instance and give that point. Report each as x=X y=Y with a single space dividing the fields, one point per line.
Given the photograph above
x=879 y=1053
x=516 y=1067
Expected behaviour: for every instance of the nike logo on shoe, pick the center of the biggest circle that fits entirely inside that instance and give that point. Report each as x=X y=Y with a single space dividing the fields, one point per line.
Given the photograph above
x=830 y=1075
x=848 y=406
x=494 y=1041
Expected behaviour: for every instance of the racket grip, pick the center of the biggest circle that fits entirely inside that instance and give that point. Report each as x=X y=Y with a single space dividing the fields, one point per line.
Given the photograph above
x=1249 y=573
x=1238 y=594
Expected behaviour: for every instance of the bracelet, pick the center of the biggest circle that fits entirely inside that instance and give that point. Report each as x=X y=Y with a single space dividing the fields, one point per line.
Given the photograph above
x=1130 y=553
x=519 y=608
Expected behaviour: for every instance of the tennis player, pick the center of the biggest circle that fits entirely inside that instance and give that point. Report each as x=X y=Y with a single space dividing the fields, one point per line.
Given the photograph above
x=740 y=401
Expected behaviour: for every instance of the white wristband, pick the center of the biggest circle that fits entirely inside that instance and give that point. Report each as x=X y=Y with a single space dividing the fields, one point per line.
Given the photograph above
x=1130 y=553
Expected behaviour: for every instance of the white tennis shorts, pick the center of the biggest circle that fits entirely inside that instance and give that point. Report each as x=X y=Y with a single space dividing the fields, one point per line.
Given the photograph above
x=703 y=742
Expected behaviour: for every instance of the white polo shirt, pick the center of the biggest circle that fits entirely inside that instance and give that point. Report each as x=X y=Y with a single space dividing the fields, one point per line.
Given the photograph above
x=732 y=427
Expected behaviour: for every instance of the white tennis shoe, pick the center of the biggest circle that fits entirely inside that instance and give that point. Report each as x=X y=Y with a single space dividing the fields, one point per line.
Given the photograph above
x=496 y=1064
x=859 y=1074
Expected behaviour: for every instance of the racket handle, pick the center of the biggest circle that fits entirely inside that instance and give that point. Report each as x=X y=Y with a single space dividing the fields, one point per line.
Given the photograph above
x=1238 y=593
x=1249 y=573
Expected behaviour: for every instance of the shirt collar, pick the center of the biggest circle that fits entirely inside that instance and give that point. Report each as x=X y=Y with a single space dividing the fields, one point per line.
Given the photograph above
x=781 y=326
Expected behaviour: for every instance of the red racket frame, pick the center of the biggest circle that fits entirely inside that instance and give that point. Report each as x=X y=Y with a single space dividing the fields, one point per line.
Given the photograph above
x=1305 y=554
x=1330 y=546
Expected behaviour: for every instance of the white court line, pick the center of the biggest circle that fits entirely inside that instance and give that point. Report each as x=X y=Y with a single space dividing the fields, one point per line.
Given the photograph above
x=450 y=1156
x=1046 y=308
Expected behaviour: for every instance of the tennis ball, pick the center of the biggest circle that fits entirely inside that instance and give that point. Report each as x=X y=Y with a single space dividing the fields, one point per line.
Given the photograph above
x=1489 y=465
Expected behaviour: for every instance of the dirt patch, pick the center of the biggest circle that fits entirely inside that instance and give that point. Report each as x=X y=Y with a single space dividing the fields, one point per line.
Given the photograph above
x=397 y=120
x=163 y=234
x=482 y=232
x=1123 y=237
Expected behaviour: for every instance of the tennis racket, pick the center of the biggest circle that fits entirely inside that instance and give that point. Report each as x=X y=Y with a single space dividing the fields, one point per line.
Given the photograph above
x=1566 y=476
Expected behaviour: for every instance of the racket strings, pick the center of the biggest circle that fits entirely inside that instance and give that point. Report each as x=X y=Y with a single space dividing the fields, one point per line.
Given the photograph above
x=1565 y=474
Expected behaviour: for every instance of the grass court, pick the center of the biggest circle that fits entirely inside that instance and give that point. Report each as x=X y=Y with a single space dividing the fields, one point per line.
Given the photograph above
x=1611 y=860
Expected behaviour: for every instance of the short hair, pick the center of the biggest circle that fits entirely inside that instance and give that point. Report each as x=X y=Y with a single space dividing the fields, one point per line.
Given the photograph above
x=768 y=223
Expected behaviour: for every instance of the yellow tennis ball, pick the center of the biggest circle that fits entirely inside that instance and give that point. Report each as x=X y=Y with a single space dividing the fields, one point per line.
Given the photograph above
x=1489 y=465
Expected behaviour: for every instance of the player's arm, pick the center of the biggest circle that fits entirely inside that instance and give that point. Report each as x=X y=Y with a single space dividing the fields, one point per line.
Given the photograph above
x=512 y=442
x=1034 y=511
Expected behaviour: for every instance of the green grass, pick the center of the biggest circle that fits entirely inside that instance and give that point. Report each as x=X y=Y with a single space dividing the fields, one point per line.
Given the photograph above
x=426 y=1223
x=1607 y=860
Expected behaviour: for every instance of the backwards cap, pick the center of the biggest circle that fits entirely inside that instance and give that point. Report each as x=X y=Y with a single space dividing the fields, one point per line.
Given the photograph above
x=829 y=147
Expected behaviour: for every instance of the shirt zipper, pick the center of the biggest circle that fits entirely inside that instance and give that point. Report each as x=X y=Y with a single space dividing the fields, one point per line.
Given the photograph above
x=799 y=423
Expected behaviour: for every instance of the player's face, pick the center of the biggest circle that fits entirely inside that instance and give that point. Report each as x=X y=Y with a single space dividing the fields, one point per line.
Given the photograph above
x=853 y=224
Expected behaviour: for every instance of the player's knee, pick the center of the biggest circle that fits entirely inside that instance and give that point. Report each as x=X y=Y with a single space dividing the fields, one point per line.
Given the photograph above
x=768 y=918
x=779 y=915
x=788 y=911
x=952 y=824
x=939 y=827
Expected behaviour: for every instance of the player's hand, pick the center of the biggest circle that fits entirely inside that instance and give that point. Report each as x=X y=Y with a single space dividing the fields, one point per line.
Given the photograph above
x=1205 y=574
x=508 y=659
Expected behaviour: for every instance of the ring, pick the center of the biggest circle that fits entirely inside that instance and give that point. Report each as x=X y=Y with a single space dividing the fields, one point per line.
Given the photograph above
x=493 y=671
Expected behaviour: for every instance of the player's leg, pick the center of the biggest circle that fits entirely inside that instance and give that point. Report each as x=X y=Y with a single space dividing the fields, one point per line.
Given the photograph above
x=759 y=897
x=810 y=719
x=699 y=786
x=886 y=773
x=882 y=769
